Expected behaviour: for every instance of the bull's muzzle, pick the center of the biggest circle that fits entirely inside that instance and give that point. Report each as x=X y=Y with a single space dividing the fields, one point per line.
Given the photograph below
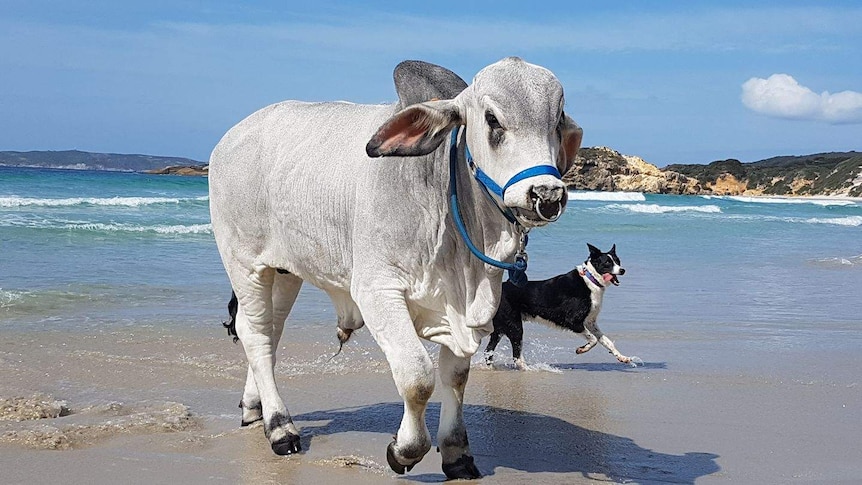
x=548 y=201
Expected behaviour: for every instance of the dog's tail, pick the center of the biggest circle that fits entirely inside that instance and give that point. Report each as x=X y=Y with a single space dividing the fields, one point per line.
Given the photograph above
x=230 y=324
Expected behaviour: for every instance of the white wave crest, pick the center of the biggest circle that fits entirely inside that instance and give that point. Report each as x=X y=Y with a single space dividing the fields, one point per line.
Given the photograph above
x=9 y=298
x=852 y=221
x=172 y=229
x=784 y=200
x=853 y=261
x=101 y=201
x=663 y=209
x=611 y=196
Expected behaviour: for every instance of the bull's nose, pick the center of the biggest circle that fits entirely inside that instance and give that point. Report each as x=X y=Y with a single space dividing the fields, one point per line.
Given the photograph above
x=549 y=201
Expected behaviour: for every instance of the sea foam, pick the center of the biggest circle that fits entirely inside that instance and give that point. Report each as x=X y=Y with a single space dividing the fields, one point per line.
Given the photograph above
x=784 y=200
x=100 y=201
x=852 y=221
x=663 y=209
x=607 y=196
x=166 y=229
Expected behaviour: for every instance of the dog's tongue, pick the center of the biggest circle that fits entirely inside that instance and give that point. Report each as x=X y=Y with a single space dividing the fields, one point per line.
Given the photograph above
x=609 y=278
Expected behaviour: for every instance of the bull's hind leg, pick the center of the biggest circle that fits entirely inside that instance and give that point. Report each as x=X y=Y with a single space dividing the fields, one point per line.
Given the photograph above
x=389 y=322
x=259 y=331
x=284 y=291
x=452 y=434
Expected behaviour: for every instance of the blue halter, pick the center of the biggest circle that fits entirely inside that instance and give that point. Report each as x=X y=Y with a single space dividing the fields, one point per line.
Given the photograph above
x=518 y=269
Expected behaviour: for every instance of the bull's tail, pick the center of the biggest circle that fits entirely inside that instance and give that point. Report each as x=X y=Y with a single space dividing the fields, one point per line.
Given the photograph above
x=230 y=324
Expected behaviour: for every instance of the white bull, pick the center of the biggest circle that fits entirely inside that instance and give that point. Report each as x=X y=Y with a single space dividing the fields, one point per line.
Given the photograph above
x=296 y=196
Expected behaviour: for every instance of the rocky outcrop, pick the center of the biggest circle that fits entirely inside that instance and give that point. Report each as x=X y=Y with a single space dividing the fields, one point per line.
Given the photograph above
x=182 y=170
x=601 y=168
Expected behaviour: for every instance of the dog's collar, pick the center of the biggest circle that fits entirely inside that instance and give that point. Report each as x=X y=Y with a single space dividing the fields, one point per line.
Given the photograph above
x=585 y=272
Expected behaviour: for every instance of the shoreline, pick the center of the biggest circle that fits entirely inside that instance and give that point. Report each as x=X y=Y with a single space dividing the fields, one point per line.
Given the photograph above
x=159 y=406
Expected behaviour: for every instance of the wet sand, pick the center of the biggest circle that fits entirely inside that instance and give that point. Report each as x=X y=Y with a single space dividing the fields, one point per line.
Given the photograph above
x=148 y=405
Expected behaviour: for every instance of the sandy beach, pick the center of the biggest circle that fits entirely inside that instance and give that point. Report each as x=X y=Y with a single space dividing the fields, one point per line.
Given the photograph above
x=151 y=405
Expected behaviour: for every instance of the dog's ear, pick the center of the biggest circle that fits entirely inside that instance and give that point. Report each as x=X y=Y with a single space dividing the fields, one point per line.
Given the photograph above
x=594 y=251
x=613 y=250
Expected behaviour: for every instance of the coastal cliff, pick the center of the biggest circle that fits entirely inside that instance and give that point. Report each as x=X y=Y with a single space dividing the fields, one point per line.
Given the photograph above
x=601 y=168
x=823 y=174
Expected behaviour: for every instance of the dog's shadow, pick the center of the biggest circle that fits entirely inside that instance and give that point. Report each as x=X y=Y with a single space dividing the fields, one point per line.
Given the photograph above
x=525 y=441
x=609 y=366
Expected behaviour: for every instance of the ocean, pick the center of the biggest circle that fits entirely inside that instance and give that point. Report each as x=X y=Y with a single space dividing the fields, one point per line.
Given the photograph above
x=92 y=250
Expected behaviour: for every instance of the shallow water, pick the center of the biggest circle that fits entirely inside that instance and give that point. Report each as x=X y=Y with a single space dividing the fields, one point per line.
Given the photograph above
x=104 y=250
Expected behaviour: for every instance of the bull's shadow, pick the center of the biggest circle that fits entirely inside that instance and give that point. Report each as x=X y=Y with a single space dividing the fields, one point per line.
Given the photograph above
x=527 y=441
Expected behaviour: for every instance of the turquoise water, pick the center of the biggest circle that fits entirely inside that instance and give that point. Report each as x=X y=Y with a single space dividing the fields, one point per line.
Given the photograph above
x=101 y=250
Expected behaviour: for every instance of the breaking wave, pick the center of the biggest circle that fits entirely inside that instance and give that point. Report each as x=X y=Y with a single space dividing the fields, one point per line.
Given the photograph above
x=168 y=229
x=663 y=209
x=10 y=298
x=784 y=200
x=851 y=221
x=851 y=262
x=159 y=229
x=607 y=196
x=98 y=201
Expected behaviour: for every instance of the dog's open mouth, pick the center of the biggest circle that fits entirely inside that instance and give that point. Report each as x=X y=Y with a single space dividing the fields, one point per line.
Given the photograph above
x=611 y=278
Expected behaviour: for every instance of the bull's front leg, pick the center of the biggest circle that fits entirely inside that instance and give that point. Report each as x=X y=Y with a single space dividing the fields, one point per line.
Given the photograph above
x=389 y=322
x=452 y=434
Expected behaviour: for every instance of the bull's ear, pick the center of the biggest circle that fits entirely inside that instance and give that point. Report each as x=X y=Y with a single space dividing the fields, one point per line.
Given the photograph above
x=570 y=142
x=416 y=130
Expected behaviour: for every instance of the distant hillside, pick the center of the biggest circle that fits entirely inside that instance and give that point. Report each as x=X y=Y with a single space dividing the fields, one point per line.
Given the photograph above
x=835 y=173
x=74 y=159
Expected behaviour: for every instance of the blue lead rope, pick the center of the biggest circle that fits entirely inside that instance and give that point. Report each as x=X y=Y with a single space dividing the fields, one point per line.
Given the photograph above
x=518 y=269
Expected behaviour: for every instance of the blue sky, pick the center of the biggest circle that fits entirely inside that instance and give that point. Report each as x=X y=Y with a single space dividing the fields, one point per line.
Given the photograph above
x=671 y=81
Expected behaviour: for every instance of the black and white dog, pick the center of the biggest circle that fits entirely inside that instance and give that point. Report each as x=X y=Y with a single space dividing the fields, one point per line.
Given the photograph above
x=570 y=301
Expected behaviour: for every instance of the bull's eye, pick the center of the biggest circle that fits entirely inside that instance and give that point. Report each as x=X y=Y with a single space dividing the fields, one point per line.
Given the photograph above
x=560 y=125
x=492 y=121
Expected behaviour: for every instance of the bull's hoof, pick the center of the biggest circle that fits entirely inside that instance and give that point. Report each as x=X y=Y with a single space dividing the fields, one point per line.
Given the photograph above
x=250 y=414
x=288 y=445
x=245 y=423
x=462 y=468
x=394 y=464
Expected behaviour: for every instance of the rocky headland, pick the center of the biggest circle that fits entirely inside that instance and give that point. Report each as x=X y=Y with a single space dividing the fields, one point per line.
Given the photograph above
x=823 y=174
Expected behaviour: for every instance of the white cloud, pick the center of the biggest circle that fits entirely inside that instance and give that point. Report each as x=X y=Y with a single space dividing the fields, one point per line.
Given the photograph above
x=780 y=96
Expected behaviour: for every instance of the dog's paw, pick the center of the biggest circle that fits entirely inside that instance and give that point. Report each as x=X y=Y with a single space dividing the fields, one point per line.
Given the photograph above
x=635 y=361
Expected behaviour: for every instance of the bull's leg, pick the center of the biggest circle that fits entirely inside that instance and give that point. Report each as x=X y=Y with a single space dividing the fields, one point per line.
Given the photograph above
x=284 y=291
x=389 y=322
x=452 y=434
x=256 y=330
